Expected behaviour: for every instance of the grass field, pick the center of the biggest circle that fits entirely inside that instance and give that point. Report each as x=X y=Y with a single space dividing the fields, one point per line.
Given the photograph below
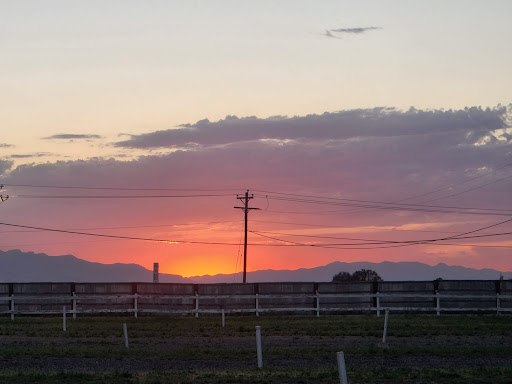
x=296 y=349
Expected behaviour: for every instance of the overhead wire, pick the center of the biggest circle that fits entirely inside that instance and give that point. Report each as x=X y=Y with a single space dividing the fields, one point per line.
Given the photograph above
x=393 y=228
x=468 y=190
x=398 y=244
x=392 y=206
x=120 y=188
x=376 y=241
x=460 y=183
x=117 y=196
x=137 y=226
x=237 y=244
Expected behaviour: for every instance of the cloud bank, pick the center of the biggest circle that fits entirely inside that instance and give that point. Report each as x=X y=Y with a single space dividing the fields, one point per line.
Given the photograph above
x=473 y=123
x=5 y=165
x=378 y=154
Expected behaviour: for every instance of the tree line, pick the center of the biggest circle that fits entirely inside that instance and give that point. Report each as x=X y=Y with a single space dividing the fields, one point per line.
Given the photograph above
x=361 y=275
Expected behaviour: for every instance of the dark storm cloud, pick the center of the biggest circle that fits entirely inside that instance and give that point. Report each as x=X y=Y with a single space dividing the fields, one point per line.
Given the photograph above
x=474 y=123
x=71 y=136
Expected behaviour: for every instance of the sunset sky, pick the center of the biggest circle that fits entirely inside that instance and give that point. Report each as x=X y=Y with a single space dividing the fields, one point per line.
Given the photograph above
x=367 y=131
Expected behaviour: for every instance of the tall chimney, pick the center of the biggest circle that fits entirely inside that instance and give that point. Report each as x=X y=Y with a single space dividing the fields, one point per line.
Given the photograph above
x=155 y=272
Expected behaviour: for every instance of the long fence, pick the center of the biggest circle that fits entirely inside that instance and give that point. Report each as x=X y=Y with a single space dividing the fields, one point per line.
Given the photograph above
x=312 y=298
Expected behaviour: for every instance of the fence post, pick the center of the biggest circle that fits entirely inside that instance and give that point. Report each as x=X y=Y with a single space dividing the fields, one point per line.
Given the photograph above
x=498 y=304
x=64 y=318
x=378 y=304
x=197 y=304
x=317 y=304
x=341 y=368
x=125 y=332
x=258 y=347
x=223 y=318
x=384 y=335
x=12 y=307
x=438 y=303
x=74 y=306
x=135 y=305
x=257 y=305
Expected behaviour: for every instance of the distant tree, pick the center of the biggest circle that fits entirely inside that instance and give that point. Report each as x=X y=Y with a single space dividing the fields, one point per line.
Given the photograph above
x=342 y=277
x=366 y=275
x=361 y=275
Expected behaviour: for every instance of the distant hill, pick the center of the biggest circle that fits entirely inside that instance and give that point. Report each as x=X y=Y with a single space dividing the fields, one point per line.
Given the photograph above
x=389 y=271
x=18 y=266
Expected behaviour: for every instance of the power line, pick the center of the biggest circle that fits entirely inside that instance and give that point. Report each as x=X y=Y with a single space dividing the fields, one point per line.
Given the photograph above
x=338 y=226
x=375 y=241
x=353 y=247
x=231 y=244
x=341 y=201
x=398 y=244
x=412 y=197
x=116 y=236
x=117 y=196
x=136 y=227
x=119 y=188
x=468 y=190
x=456 y=184
x=392 y=206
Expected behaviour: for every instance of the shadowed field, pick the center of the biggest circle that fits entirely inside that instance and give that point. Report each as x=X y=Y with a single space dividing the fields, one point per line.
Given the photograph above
x=296 y=349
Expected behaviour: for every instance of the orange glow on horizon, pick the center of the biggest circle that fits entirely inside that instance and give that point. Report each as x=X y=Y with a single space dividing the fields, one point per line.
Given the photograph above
x=199 y=265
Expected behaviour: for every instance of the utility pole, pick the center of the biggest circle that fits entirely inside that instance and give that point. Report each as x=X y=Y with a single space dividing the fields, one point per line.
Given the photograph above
x=245 y=200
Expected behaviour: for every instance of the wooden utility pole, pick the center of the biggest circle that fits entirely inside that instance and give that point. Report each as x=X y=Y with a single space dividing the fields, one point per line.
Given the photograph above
x=245 y=200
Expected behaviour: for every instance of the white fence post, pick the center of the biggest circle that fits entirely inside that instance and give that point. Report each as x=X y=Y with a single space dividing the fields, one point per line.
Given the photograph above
x=258 y=347
x=223 y=318
x=197 y=304
x=257 y=305
x=74 y=306
x=384 y=335
x=317 y=304
x=341 y=368
x=136 y=305
x=64 y=318
x=438 y=303
x=378 y=304
x=125 y=332
x=12 y=307
x=498 y=304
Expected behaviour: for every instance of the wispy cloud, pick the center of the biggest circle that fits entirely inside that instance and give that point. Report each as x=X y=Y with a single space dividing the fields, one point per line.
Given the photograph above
x=357 y=30
x=329 y=34
x=3 y=145
x=71 y=136
x=27 y=156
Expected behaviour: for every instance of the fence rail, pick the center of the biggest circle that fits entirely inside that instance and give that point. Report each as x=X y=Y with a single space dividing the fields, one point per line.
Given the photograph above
x=256 y=303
